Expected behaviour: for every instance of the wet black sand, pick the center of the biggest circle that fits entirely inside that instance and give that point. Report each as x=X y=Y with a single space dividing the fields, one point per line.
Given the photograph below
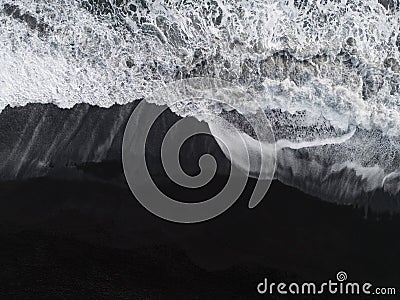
x=88 y=238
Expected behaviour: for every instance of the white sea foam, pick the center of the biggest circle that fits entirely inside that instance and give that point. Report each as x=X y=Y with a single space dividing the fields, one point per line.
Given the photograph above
x=320 y=68
x=83 y=55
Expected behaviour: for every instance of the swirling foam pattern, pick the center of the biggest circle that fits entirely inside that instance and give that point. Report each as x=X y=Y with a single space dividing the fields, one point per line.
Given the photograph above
x=327 y=73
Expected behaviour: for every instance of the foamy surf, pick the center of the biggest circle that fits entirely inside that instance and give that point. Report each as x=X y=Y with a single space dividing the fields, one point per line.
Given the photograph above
x=327 y=73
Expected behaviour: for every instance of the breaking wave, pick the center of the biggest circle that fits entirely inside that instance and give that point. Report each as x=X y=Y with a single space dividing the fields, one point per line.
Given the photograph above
x=327 y=73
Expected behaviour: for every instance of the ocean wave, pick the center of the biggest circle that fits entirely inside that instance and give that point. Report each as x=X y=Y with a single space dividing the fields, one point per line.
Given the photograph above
x=327 y=73
x=335 y=59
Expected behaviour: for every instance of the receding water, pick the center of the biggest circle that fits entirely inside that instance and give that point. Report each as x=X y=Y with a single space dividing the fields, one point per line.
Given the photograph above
x=327 y=73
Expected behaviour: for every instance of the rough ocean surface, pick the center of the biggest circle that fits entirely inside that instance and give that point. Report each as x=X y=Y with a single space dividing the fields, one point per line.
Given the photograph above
x=323 y=70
